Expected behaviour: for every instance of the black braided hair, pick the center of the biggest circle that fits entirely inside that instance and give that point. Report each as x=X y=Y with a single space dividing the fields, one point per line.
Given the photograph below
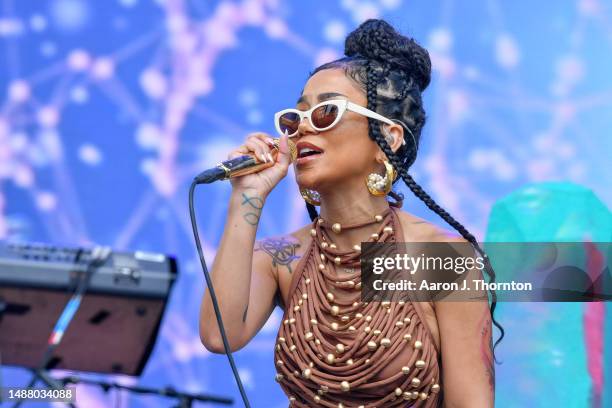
x=394 y=70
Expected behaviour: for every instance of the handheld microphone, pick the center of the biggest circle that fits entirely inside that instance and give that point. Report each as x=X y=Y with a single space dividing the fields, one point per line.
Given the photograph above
x=242 y=165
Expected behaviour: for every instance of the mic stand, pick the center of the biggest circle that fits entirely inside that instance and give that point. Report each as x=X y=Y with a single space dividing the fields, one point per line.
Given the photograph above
x=184 y=399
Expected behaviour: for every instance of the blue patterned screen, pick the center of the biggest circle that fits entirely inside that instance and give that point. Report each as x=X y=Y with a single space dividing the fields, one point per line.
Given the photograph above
x=109 y=108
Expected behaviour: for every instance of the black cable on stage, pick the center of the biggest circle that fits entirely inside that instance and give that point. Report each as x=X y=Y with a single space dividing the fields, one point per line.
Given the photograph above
x=98 y=255
x=213 y=297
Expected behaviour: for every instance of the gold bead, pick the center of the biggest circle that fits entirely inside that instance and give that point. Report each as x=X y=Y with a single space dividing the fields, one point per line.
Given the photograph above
x=336 y=227
x=418 y=344
x=324 y=244
x=304 y=296
x=335 y=310
x=340 y=348
x=405 y=369
x=423 y=396
x=359 y=315
x=317 y=342
x=419 y=364
x=320 y=221
x=300 y=302
x=281 y=339
x=398 y=391
x=334 y=326
x=386 y=304
x=292 y=320
x=309 y=336
x=352 y=328
x=345 y=386
x=314 y=322
x=293 y=347
x=321 y=266
x=306 y=373
x=401 y=303
x=376 y=332
x=375 y=236
x=292 y=399
x=406 y=320
x=307 y=280
x=279 y=362
x=333 y=246
x=330 y=296
x=286 y=321
x=279 y=377
x=372 y=345
x=367 y=361
x=407 y=395
x=378 y=218
x=349 y=361
x=388 y=229
x=357 y=247
x=296 y=308
x=399 y=324
x=340 y=405
x=278 y=347
x=345 y=318
x=330 y=358
x=435 y=388
x=313 y=232
x=322 y=257
x=337 y=260
x=385 y=342
x=367 y=329
x=317 y=398
x=311 y=364
x=415 y=382
x=408 y=337
x=368 y=318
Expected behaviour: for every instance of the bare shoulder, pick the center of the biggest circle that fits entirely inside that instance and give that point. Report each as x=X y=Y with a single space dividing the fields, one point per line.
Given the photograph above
x=283 y=251
x=417 y=229
x=282 y=255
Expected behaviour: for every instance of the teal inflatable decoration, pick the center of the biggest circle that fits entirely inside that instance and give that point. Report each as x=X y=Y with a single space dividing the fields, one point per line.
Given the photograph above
x=550 y=212
x=561 y=352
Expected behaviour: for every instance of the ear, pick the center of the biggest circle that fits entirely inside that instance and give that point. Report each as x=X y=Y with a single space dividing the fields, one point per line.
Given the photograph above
x=394 y=134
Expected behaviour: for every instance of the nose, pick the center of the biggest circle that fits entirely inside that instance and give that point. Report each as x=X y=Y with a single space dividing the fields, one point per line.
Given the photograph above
x=305 y=127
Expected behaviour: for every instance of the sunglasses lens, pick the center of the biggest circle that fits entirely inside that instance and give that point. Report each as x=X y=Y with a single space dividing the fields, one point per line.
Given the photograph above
x=324 y=116
x=289 y=122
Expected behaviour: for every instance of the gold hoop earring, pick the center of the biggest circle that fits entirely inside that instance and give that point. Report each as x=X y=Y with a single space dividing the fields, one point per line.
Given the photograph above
x=311 y=196
x=378 y=185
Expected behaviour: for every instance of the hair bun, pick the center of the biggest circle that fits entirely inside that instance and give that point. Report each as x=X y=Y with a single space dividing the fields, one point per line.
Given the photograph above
x=378 y=40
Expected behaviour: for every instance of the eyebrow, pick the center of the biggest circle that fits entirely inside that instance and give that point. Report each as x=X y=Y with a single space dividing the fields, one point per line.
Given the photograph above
x=322 y=97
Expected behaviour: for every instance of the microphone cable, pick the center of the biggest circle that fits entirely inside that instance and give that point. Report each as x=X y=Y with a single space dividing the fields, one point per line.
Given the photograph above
x=213 y=297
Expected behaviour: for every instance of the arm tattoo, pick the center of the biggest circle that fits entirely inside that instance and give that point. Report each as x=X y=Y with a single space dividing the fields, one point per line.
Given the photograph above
x=254 y=205
x=486 y=349
x=280 y=249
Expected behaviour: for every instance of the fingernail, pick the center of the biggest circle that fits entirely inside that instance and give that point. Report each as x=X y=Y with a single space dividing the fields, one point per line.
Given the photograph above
x=262 y=157
x=271 y=158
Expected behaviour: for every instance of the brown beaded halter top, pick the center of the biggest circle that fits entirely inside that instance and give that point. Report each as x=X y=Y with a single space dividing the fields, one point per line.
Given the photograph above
x=333 y=350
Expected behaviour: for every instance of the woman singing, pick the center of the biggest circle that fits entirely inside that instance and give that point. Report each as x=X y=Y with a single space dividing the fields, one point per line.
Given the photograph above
x=356 y=126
